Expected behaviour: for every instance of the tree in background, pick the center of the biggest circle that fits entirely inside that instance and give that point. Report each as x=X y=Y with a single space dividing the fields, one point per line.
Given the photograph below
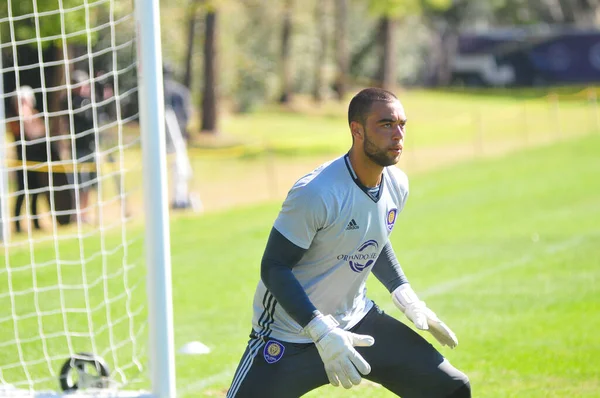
x=444 y=20
x=254 y=55
x=286 y=56
x=575 y=12
x=52 y=50
x=192 y=22
x=387 y=38
x=209 y=109
x=321 y=51
x=342 y=50
x=279 y=48
x=390 y=14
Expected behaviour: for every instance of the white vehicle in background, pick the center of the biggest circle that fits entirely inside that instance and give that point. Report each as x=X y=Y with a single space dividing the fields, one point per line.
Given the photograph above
x=532 y=56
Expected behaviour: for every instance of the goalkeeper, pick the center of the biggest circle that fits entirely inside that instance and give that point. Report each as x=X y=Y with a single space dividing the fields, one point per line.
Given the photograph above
x=313 y=323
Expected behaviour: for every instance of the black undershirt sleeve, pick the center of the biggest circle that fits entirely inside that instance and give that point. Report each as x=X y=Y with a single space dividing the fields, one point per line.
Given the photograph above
x=387 y=269
x=279 y=258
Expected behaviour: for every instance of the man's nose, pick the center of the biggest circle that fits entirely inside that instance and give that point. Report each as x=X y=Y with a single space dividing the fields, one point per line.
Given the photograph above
x=398 y=133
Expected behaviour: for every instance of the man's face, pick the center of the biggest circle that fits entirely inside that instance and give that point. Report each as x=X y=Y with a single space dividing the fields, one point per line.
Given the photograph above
x=383 y=133
x=85 y=90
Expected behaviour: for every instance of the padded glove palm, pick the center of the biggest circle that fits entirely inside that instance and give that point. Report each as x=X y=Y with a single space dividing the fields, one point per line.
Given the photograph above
x=336 y=348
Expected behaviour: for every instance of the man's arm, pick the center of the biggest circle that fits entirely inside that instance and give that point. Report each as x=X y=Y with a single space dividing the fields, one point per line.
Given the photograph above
x=279 y=258
x=387 y=269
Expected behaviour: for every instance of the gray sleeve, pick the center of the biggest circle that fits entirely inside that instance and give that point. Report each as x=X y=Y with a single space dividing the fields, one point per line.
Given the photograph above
x=279 y=258
x=387 y=269
x=302 y=215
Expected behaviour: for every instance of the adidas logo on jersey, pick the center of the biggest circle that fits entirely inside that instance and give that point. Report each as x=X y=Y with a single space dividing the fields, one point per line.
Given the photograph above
x=352 y=225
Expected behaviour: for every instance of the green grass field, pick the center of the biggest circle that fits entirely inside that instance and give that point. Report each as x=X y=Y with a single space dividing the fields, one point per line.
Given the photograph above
x=443 y=128
x=505 y=249
x=435 y=119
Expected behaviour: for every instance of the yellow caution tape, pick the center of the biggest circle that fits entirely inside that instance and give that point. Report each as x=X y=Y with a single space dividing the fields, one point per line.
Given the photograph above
x=56 y=167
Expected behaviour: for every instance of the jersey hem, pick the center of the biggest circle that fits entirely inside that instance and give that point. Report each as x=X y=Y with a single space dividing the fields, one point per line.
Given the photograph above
x=301 y=339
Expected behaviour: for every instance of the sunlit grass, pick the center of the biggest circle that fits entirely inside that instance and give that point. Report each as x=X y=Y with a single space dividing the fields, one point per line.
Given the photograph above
x=504 y=250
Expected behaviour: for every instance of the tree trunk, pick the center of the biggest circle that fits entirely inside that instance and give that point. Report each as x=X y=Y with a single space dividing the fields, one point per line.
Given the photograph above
x=449 y=43
x=581 y=12
x=341 y=48
x=555 y=10
x=209 y=89
x=286 y=62
x=363 y=52
x=191 y=34
x=387 y=67
x=321 y=25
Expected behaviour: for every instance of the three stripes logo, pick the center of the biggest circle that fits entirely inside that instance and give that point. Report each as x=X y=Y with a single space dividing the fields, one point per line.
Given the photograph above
x=352 y=225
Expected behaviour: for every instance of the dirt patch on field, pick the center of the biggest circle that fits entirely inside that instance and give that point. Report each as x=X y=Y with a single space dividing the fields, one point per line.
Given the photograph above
x=225 y=183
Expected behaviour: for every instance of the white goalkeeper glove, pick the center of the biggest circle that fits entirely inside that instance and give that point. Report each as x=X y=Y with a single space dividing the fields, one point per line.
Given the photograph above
x=406 y=299
x=336 y=348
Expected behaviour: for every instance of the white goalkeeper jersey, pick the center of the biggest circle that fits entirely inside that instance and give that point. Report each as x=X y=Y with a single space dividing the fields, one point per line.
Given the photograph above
x=330 y=213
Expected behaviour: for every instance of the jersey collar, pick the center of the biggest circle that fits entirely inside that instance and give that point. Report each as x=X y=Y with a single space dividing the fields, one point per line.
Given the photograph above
x=359 y=184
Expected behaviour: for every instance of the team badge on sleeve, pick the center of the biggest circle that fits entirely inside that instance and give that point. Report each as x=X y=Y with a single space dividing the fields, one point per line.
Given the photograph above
x=391 y=219
x=273 y=351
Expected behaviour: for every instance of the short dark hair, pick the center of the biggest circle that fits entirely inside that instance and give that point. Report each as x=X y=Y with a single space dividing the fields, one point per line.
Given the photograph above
x=361 y=104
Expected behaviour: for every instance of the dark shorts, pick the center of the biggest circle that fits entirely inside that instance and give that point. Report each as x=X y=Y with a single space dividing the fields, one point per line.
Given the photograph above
x=401 y=361
x=36 y=155
x=87 y=177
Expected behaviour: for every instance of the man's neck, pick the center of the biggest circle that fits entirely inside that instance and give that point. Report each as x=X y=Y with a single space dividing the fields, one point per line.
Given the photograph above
x=368 y=173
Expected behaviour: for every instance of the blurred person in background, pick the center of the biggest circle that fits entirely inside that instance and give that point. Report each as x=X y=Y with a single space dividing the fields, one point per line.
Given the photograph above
x=31 y=146
x=178 y=111
x=177 y=98
x=83 y=133
x=310 y=306
x=104 y=90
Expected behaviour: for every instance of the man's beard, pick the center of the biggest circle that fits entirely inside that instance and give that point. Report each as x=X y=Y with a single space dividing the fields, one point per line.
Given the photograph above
x=379 y=156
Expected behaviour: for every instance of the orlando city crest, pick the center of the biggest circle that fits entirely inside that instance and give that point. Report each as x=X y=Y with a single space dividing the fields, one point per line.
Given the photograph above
x=273 y=351
x=391 y=219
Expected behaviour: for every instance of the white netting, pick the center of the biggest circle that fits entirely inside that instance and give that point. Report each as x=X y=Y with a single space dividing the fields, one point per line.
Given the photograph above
x=76 y=283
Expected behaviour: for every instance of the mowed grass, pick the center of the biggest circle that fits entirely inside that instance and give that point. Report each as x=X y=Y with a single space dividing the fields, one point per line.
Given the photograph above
x=504 y=250
x=84 y=293
x=443 y=128
x=435 y=119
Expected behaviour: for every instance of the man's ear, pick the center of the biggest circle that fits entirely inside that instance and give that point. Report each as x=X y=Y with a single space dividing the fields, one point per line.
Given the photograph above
x=356 y=129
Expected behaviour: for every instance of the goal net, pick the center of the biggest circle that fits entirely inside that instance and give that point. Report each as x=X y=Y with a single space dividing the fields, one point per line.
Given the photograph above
x=76 y=247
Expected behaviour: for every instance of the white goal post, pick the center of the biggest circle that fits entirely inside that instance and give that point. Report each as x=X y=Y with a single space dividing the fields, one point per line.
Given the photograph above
x=155 y=165
x=85 y=263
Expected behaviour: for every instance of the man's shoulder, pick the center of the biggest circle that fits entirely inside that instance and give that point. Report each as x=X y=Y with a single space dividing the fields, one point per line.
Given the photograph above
x=398 y=179
x=397 y=175
x=318 y=186
x=321 y=177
